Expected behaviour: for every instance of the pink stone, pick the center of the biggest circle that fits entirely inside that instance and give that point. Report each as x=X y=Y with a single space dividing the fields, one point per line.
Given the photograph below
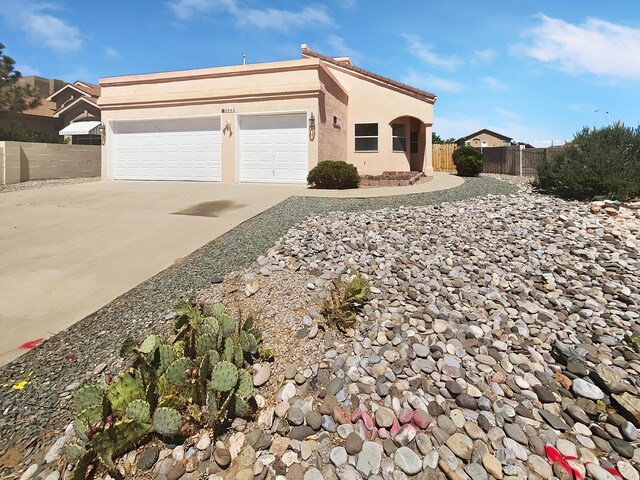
x=421 y=419
x=405 y=415
x=395 y=428
x=368 y=421
x=357 y=415
x=339 y=415
x=383 y=433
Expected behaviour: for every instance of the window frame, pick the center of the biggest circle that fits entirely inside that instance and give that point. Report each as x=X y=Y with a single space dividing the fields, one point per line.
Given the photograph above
x=413 y=142
x=357 y=137
x=398 y=137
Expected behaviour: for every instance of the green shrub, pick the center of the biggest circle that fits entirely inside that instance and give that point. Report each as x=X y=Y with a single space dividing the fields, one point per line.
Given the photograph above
x=332 y=174
x=468 y=161
x=34 y=137
x=598 y=162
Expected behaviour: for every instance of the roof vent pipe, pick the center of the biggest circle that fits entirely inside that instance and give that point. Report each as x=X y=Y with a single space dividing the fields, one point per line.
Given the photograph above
x=244 y=58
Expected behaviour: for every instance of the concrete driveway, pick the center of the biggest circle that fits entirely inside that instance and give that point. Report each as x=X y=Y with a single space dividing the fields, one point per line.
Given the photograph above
x=66 y=251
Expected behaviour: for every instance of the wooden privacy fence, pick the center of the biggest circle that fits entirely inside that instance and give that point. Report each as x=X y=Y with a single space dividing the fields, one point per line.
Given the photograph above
x=510 y=160
x=443 y=157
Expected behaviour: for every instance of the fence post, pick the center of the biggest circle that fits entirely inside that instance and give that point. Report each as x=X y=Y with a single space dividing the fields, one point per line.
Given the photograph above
x=520 y=173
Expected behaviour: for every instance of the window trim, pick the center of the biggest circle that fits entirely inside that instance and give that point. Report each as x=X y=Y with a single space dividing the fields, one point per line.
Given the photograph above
x=356 y=137
x=393 y=137
x=415 y=142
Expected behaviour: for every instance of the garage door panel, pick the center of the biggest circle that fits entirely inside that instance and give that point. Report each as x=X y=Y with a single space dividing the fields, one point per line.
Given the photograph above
x=180 y=149
x=273 y=148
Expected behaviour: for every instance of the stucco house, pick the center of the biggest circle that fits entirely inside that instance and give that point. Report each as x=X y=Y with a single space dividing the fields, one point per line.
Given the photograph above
x=266 y=122
x=485 y=138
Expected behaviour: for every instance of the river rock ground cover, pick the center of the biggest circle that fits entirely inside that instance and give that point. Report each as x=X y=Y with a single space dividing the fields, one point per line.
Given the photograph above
x=493 y=343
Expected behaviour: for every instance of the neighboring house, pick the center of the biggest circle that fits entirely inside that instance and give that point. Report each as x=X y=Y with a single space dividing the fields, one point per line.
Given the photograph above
x=76 y=106
x=486 y=138
x=267 y=122
x=40 y=118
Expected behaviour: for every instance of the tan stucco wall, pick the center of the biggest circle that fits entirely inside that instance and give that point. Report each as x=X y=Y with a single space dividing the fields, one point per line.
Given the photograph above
x=370 y=102
x=485 y=137
x=332 y=140
x=22 y=161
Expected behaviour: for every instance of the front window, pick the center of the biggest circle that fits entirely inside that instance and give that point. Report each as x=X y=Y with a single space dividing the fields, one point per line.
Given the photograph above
x=414 y=142
x=399 y=132
x=366 y=137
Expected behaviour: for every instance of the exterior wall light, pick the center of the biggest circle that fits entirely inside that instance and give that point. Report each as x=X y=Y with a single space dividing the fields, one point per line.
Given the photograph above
x=312 y=122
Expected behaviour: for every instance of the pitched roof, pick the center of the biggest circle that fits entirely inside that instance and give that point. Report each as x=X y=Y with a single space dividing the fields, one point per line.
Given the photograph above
x=344 y=62
x=89 y=88
x=46 y=109
x=76 y=102
x=488 y=132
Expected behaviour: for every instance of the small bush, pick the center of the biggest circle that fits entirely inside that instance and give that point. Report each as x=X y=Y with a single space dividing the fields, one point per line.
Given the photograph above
x=345 y=300
x=332 y=174
x=598 y=162
x=468 y=161
x=33 y=137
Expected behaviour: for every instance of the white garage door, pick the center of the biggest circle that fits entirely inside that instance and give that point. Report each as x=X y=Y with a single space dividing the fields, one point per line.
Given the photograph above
x=178 y=149
x=273 y=148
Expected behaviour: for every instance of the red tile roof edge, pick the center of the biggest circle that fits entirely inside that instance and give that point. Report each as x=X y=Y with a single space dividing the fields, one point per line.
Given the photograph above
x=390 y=81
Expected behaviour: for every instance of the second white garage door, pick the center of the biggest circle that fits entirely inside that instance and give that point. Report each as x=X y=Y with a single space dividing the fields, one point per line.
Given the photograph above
x=176 y=149
x=273 y=148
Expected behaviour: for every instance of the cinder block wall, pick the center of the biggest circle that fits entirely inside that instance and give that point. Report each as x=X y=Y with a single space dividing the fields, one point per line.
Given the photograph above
x=23 y=161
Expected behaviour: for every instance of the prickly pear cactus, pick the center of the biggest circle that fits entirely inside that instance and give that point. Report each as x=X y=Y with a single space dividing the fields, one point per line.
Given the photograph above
x=124 y=389
x=245 y=384
x=167 y=356
x=214 y=310
x=139 y=410
x=205 y=343
x=224 y=376
x=167 y=421
x=176 y=374
x=227 y=325
x=212 y=407
x=239 y=407
x=89 y=405
x=73 y=452
x=150 y=344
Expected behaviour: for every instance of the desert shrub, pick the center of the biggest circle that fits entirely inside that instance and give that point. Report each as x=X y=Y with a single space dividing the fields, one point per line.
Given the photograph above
x=332 y=174
x=34 y=137
x=345 y=300
x=468 y=161
x=598 y=162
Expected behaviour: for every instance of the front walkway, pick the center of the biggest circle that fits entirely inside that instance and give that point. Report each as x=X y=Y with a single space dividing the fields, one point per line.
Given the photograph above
x=440 y=181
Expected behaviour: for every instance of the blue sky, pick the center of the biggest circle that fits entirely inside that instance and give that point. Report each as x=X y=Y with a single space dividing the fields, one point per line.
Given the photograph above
x=533 y=70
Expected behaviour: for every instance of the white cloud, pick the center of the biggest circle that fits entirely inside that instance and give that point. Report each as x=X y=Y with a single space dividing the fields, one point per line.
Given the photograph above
x=493 y=83
x=483 y=57
x=274 y=18
x=112 y=53
x=431 y=83
x=596 y=47
x=340 y=48
x=507 y=114
x=426 y=54
x=40 y=26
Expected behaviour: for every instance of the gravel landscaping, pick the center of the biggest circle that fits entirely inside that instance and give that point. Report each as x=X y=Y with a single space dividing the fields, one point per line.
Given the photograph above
x=32 y=415
x=30 y=185
x=500 y=341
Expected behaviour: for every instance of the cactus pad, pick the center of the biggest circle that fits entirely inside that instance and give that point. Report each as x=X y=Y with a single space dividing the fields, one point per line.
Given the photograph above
x=73 y=452
x=224 y=376
x=79 y=428
x=167 y=356
x=248 y=343
x=239 y=407
x=233 y=351
x=124 y=389
x=212 y=407
x=139 y=410
x=214 y=357
x=245 y=384
x=214 y=310
x=91 y=415
x=88 y=396
x=204 y=343
x=176 y=373
x=227 y=325
x=167 y=421
x=150 y=344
